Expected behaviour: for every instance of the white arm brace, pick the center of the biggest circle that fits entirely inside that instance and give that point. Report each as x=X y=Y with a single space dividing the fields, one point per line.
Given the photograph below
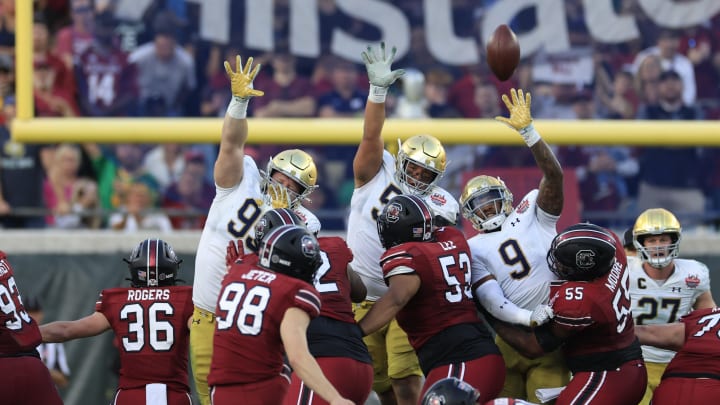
x=493 y=299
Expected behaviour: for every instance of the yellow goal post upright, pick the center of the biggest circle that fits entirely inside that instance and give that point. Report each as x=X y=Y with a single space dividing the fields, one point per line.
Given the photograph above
x=26 y=128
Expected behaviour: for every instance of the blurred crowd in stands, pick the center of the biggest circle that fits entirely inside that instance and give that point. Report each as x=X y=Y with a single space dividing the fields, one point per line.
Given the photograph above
x=88 y=62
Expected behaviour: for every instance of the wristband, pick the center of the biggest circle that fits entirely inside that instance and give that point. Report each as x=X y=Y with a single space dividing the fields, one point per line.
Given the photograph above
x=238 y=108
x=377 y=94
x=530 y=135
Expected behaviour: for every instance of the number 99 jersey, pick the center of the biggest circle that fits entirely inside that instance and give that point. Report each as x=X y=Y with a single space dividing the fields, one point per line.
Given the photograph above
x=517 y=254
x=656 y=302
x=232 y=216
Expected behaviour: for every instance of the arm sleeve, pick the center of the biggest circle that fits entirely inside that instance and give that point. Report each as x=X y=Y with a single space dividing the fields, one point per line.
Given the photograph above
x=493 y=299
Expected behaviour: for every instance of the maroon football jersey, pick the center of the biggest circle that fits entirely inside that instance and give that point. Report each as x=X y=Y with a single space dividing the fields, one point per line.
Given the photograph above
x=247 y=346
x=597 y=311
x=151 y=332
x=331 y=279
x=444 y=295
x=701 y=352
x=18 y=331
x=103 y=78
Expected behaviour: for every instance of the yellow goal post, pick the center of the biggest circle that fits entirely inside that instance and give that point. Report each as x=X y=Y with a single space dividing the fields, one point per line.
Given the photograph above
x=26 y=128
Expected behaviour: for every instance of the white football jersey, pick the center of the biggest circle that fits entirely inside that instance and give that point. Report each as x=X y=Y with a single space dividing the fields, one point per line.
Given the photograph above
x=656 y=302
x=366 y=204
x=517 y=254
x=232 y=216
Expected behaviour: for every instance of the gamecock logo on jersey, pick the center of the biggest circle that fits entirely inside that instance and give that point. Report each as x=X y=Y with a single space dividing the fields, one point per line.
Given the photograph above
x=693 y=281
x=585 y=259
x=393 y=212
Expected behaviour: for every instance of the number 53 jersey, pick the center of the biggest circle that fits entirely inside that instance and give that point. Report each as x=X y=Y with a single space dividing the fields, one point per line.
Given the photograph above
x=654 y=301
x=151 y=333
x=517 y=254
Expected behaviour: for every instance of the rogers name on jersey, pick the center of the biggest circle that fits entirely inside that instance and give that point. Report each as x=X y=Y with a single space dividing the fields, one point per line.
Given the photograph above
x=144 y=294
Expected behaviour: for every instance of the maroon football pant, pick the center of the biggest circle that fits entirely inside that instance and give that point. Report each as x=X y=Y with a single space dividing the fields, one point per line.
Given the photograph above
x=270 y=391
x=26 y=380
x=136 y=396
x=623 y=386
x=486 y=374
x=690 y=391
x=352 y=379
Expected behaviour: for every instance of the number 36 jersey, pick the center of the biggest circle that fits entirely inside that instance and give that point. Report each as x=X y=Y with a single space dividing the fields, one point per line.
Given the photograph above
x=151 y=332
x=665 y=302
x=232 y=216
x=517 y=254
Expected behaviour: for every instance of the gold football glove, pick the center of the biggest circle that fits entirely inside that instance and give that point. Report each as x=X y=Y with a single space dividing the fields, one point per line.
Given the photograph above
x=519 y=110
x=278 y=196
x=241 y=80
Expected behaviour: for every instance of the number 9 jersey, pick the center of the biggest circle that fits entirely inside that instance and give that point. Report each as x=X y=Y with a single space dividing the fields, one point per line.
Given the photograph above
x=516 y=254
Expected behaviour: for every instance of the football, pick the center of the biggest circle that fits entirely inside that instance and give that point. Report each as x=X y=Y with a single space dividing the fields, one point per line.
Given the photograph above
x=503 y=52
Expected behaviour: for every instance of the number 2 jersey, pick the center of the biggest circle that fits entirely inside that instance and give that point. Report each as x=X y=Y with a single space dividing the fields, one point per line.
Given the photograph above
x=247 y=345
x=151 y=332
x=366 y=204
x=19 y=333
x=517 y=254
x=700 y=355
x=655 y=302
x=335 y=333
x=441 y=316
x=597 y=315
x=232 y=216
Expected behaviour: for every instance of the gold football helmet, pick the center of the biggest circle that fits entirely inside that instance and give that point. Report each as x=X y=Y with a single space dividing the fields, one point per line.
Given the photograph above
x=297 y=165
x=486 y=202
x=425 y=151
x=657 y=221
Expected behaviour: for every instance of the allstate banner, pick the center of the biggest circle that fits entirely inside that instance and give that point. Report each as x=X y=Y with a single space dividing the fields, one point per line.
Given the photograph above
x=216 y=20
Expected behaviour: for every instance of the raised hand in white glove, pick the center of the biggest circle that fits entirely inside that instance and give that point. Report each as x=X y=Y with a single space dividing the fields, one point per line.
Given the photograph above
x=378 y=66
x=540 y=315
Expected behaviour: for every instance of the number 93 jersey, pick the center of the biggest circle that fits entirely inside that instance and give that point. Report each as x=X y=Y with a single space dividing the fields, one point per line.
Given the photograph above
x=366 y=204
x=517 y=254
x=656 y=302
x=232 y=216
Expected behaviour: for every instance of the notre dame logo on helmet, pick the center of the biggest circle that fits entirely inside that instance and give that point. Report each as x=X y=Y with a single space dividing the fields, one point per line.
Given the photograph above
x=585 y=259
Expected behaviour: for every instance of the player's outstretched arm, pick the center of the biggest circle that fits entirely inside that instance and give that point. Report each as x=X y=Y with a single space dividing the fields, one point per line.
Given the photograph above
x=550 y=197
x=62 y=331
x=493 y=300
x=368 y=157
x=229 y=165
x=401 y=289
x=669 y=336
x=293 y=330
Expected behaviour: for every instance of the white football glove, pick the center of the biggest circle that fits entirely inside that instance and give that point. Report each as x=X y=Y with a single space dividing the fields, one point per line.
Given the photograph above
x=378 y=68
x=540 y=315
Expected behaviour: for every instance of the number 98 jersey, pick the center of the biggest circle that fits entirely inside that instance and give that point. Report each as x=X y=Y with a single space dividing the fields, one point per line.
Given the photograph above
x=656 y=302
